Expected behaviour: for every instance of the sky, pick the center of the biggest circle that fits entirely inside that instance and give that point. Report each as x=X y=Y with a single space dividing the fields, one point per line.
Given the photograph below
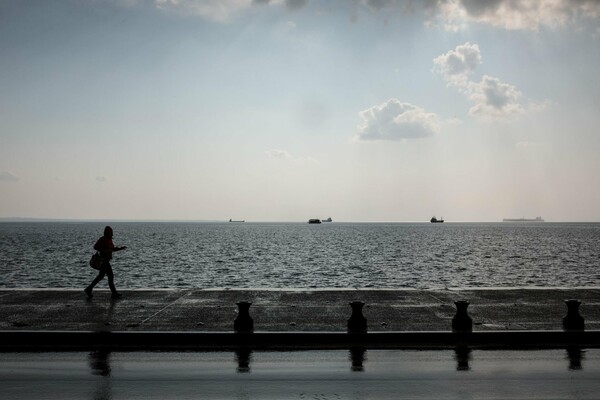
x=364 y=110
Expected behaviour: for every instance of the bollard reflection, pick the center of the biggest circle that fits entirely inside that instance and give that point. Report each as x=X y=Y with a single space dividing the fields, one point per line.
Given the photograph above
x=575 y=355
x=243 y=358
x=99 y=362
x=462 y=355
x=358 y=356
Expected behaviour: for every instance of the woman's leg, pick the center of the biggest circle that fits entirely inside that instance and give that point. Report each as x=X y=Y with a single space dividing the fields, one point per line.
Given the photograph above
x=111 y=279
x=100 y=276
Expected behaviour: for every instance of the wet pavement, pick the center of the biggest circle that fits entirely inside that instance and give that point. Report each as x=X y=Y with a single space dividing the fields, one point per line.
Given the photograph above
x=322 y=375
x=95 y=369
x=320 y=310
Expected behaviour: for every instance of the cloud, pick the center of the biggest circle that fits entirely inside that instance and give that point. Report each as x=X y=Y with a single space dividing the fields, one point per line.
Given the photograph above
x=448 y=14
x=295 y=4
x=377 y=5
x=223 y=10
x=492 y=97
x=395 y=121
x=514 y=14
x=216 y=10
x=101 y=179
x=284 y=155
x=7 y=176
x=456 y=65
x=280 y=154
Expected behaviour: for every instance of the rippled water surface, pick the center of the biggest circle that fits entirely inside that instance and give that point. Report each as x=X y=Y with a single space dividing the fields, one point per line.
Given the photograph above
x=299 y=255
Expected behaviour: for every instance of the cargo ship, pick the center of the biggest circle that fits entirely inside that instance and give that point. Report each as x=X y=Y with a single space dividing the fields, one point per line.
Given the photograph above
x=536 y=219
x=434 y=220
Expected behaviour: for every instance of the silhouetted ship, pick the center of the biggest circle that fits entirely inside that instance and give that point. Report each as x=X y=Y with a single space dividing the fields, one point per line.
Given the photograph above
x=314 y=221
x=231 y=220
x=536 y=219
x=434 y=220
x=328 y=220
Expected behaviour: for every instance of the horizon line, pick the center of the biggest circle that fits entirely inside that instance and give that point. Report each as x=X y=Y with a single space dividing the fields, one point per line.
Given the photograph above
x=167 y=220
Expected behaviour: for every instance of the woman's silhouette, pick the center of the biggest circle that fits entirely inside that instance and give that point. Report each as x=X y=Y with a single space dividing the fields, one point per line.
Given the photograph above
x=105 y=246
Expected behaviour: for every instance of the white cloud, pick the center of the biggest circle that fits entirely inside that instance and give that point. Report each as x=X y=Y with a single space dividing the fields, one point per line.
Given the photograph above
x=494 y=98
x=456 y=65
x=514 y=14
x=284 y=155
x=7 y=176
x=101 y=179
x=276 y=153
x=539 y=106
x=394 y=120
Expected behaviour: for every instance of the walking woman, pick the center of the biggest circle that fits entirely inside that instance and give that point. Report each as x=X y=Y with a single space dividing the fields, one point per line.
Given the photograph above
x=105 y=246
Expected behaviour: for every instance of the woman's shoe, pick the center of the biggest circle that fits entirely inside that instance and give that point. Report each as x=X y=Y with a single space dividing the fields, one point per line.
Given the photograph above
x=88 y=292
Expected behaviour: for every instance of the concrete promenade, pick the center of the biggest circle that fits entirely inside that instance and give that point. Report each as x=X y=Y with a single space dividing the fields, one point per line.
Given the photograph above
x=289 y=312
x=214 y=310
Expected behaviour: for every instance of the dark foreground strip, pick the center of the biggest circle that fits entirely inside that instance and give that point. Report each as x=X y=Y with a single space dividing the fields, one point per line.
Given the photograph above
x=14 y=341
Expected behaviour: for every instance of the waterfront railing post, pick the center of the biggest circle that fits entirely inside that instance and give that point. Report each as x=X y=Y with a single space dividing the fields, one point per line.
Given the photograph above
x=243 y=323
x=461 y=321
x=357 y=322
x=573 y=321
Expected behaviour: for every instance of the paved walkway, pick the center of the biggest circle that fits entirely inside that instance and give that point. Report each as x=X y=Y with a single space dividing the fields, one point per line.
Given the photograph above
x=291 y=310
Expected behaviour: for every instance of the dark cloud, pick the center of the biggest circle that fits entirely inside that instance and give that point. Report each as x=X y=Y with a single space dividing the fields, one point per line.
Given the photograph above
x=480 y=7
x=524 y=14
x=377 y=5
x=295 y=4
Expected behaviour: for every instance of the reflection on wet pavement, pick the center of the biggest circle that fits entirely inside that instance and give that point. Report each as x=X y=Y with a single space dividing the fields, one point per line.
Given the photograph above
x=385 y=374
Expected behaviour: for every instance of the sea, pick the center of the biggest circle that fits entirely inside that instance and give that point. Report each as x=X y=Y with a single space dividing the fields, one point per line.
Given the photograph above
x=302 y=255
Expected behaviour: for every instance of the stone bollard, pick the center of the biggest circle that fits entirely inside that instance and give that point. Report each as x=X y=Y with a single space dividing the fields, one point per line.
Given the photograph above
x=243 y=323
x=573 y=321
x=461 y=321
x=357 y=322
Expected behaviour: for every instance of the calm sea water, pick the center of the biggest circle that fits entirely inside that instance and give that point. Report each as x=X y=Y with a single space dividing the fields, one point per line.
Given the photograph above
x=299 y=255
